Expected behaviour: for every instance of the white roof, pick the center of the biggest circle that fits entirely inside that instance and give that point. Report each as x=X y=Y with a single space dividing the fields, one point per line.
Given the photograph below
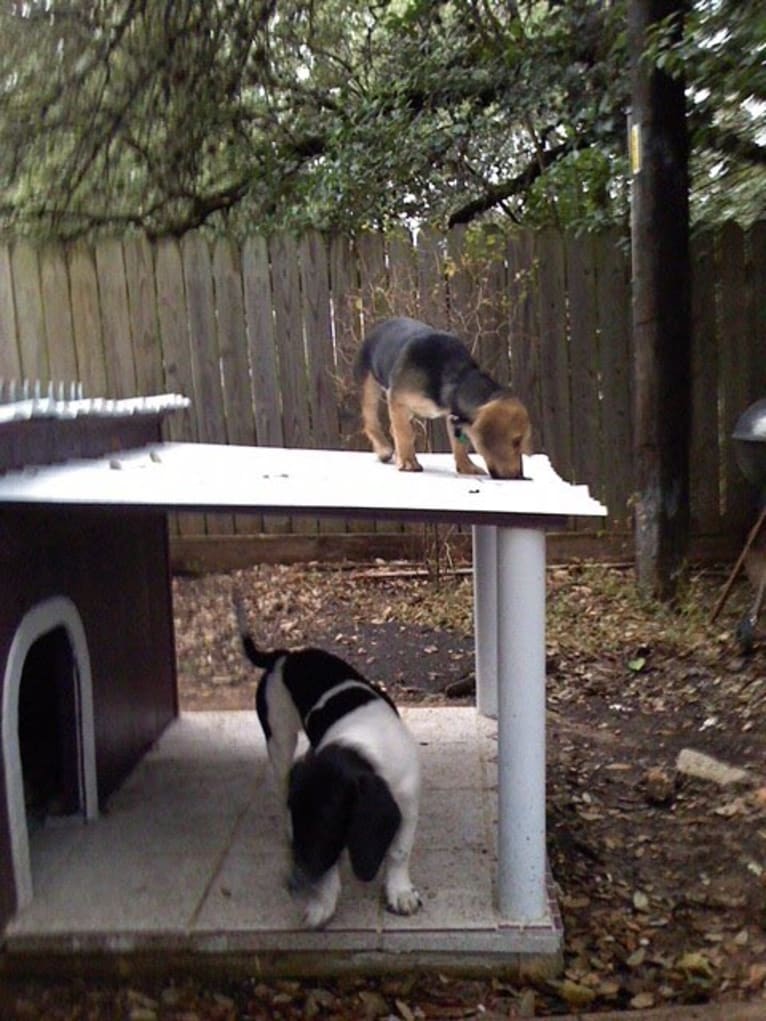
x=196 y=476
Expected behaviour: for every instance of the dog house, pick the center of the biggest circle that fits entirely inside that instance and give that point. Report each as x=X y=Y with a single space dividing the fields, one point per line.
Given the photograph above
x=87 y=678
x=88 y=685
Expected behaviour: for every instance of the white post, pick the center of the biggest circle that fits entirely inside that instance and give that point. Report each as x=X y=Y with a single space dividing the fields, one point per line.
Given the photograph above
x=521 y=725
x=485 y=617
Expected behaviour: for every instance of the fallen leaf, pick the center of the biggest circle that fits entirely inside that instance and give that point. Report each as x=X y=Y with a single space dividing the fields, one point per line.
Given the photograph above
x=736 y=807
x=641 y=1001
x=609 y=990
x=640 y=901
x=404 y=1011
x=695 y=963
x=576 y=994
x=526 y=1005
x=373 y=1004
x=637 y=958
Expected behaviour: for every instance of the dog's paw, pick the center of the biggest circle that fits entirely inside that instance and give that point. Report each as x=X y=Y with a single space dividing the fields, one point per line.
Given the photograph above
x=403 y=902
x=384 y=454
x=409 y=464
x=321 y=899
x=469 y=468
x=317 y=914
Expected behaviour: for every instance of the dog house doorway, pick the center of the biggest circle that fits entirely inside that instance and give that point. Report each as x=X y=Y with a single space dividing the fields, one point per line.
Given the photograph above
x=48 y=741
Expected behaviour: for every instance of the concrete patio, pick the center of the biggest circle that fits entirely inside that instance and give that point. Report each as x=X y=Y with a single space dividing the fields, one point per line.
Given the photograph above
x=187 y=858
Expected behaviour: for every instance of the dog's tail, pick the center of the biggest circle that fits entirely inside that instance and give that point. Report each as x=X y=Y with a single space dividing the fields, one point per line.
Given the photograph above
x=258 y=657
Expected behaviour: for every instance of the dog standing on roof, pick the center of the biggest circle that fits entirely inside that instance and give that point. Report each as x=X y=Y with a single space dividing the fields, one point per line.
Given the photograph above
x=358 y=786
x=429 y=373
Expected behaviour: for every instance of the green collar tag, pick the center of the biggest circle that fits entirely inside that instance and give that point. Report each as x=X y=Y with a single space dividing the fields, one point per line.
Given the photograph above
x=457 y=429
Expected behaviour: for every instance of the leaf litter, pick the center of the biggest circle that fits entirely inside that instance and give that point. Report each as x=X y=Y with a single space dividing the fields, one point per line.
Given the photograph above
x=661 y=876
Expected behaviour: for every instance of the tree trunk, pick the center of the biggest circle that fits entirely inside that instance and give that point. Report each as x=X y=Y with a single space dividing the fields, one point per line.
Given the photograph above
x=661 y=308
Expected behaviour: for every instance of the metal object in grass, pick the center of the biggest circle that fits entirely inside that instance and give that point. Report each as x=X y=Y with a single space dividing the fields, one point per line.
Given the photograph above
x=750 y=445
x=749 y=438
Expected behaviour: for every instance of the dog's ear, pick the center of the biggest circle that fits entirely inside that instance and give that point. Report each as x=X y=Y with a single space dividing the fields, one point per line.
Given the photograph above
x=320 y=803
x=375 y=818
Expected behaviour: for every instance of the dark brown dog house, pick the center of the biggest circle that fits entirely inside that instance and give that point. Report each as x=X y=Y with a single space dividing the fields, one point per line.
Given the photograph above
x=87 y=663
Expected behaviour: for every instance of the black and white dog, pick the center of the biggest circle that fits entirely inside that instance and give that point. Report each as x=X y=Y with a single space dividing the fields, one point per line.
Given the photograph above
x=358 y=786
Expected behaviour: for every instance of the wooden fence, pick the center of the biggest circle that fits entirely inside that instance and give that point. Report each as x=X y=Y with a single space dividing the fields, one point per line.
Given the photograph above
x=262 y=337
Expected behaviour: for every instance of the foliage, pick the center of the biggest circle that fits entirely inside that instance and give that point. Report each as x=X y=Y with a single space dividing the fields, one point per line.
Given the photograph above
x=350 y=113
x=722 y=55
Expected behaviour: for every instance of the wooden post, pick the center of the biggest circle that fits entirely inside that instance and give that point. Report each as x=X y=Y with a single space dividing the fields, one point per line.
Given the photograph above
x=661 y=306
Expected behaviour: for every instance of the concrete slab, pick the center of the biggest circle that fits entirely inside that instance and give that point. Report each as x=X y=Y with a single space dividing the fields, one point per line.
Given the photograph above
x=189 y=857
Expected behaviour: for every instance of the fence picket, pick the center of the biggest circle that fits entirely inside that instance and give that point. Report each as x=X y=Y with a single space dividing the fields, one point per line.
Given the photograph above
x=492 y=307
x=462 y=320
x=554 y=367
x=263 y=355
x=320 y=357
x=584 y=361
x=57 y=313
x=402 y=275
x=115 y=319
x=460 y=284
x=174 y=334
x=615 y=487
x=10 y=357
x=431 y=278
x=232 y=352
x=705 y=497
x=86 y=321
x=174 y=342
x=142 y=304
x=289 y=341
x=315 y=287
x=288 y=326
x=203 y=347
x=373 y=280
x=30 y=321
x=344 y=285
x=524 y=329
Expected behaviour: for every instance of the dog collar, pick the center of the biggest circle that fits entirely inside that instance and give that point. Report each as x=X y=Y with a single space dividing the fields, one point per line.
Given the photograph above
x=458 y=424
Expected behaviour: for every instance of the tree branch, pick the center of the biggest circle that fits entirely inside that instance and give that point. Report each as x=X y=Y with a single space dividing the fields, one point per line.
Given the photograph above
x=495 y=194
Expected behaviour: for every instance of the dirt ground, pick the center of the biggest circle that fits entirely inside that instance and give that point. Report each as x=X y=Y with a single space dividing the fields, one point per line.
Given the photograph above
x=661 y=876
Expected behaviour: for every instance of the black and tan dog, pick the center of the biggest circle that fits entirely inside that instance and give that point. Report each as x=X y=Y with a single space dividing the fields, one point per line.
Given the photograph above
x=429 y=373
